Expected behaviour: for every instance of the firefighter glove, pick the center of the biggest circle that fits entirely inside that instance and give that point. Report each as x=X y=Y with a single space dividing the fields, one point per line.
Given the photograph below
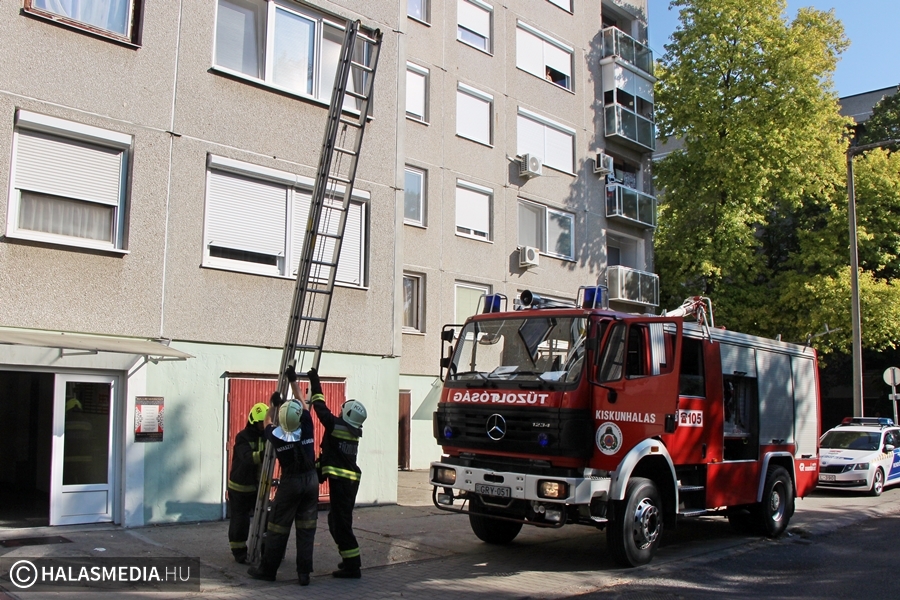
x=290 y=373
x=275 y=400
x=315 y=386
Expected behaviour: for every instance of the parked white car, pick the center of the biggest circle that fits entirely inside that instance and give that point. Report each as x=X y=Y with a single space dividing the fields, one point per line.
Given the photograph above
x=860 y=454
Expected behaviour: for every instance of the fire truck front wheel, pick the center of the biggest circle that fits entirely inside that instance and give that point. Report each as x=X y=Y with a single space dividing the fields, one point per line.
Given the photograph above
x=492 y=531
x=777 y=504
x=636 y=525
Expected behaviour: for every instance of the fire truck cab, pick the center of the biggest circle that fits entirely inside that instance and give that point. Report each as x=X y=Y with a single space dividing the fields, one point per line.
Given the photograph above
x=554 y=414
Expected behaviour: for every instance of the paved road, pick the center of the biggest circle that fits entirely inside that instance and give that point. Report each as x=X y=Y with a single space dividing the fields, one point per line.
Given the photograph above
x=415 y=550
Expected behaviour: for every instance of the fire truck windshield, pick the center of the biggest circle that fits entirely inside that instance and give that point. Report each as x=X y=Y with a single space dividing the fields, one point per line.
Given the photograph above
x=547 y=349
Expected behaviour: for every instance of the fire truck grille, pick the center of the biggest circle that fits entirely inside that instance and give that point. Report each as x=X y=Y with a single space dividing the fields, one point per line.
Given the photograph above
x=540 y=431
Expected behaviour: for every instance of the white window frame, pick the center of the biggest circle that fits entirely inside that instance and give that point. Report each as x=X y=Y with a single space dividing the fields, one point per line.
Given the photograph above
x=130 y=32
x=566 y=5
x=631 y=249
x=322 y=78
x=467 y=21
x=418 y=300
x=478 y=287
x=554 y=144
x=467 y=228
x=544 y=241
x=423 y=175
x=50 y=179
x=297 y=191
x=426 y=11
x=537 y=53
x=468 y=128
x=415 y=71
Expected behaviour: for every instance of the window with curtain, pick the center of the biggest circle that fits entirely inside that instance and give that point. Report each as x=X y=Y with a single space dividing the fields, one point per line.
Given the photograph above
x=474 y=23
x=418 y=10
x=548 y=229
x=256 y=223
x=414 y=196
x=552 y=142
x=285 y=45
x=68 y=183
x=473 y=114
x=468 y=295
x=473 y=210
x=413 y=302
x=543 y=56
x=416 y=92
x=116 y=17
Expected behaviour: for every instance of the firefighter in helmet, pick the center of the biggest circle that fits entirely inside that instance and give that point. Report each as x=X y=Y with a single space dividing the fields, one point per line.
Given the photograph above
x=297 y=497
x=337 y=463
x=243 y=481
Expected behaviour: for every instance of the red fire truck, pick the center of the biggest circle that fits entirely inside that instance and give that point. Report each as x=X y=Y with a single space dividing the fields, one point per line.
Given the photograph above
x=553 y=414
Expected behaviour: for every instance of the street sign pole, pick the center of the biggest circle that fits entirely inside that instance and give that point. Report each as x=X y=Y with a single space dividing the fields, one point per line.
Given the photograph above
x=892 y=378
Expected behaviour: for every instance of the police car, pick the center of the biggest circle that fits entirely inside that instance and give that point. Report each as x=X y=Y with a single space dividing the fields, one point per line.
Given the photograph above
x=860 y=454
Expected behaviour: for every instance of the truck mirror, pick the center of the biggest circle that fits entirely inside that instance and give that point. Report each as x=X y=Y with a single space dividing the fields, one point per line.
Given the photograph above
x=447 y=335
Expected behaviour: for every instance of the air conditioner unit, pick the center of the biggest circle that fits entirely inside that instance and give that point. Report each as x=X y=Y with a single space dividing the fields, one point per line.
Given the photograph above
x=529 y=166
x=603 y=164
x=529 y=256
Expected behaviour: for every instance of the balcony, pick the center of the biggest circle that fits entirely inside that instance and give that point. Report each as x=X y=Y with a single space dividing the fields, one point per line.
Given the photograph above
x=631 y=206
x=632 y=286
x=630 y=126
x=618 y=43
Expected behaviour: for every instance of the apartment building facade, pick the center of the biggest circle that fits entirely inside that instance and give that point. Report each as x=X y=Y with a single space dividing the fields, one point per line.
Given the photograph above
x=158 y=161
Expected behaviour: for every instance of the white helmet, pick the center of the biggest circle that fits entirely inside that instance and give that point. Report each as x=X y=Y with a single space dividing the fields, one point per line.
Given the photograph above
x=354 y=413
x=289 y=421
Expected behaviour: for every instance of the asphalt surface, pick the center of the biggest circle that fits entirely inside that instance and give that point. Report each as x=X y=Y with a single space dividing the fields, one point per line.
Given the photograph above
x=415 y=550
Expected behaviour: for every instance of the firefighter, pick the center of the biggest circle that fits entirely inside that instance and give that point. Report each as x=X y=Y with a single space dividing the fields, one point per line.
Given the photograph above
x=243 y=481
x=338 y=464
x=297 y=498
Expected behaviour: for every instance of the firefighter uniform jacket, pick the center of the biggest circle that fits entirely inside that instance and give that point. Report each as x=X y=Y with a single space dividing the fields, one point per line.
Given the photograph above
x=297 y=457
x=339 y=444
x=249 y=447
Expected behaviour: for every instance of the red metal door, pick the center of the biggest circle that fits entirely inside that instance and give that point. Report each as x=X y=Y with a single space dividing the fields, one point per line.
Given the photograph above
x=244 y=393
x=403 y=432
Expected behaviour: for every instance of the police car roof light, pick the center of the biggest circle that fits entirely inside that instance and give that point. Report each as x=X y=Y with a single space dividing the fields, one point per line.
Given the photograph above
x=882 y=421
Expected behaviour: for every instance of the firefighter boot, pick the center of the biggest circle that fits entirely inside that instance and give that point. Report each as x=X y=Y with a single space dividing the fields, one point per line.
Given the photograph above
x=349 y=573
x=304 y=578
x=260 y=573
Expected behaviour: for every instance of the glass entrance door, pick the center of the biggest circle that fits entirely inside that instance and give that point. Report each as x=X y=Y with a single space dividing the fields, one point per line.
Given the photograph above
x=81 y=488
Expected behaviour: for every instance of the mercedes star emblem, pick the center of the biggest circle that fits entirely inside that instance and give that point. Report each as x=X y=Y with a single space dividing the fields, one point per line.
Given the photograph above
x=496 y=427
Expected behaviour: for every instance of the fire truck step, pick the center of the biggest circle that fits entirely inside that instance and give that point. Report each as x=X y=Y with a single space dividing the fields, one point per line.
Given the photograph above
x=692 y=512
x=690 y=488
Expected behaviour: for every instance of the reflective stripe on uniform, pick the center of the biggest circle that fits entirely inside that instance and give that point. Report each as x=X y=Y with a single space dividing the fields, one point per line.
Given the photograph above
x=299 y=524
x=344 y=435
x=237 y=487
x=349 y=553
x=237 y=545
x=317 y=398
x=276 y=528
x=344 y=473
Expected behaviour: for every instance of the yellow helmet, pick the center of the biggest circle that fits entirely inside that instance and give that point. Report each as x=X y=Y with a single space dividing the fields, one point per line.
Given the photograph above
x=258 y=413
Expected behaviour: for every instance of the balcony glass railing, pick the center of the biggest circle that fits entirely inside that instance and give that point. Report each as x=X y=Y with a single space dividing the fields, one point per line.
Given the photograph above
x=627 y=124
x=630 y=285
x=623 y=202
x=618 y=43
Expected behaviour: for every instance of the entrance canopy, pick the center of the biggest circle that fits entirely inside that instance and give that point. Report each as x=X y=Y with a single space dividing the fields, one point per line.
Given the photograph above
x=91 y=343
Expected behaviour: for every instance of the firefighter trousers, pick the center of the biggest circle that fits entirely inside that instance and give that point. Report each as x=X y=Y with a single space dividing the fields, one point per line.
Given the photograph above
x=340 y=519
x=242 y=505
x=296 y=502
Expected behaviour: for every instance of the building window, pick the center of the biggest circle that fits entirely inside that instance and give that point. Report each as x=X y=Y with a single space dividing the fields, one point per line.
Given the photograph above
x=285 y=45
x=414 y=196
x=413 y=302
x=473 y=210
x=566 y=5
x=416 y=92
x=474 y=23
x=256 y=223
x=543 y=56
x=473 y=114
x=118 y=19
x=552 y=142
x=622 y=251
x=418 y=10
x=69 y=183
x=546 y=228
x=468 y=296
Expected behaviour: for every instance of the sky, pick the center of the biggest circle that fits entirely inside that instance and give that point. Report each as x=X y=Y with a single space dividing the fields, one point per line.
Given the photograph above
x=872 y=61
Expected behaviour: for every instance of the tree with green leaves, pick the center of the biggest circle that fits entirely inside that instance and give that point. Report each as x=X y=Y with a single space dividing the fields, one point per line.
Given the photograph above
x=884 y=124
x=762 y=165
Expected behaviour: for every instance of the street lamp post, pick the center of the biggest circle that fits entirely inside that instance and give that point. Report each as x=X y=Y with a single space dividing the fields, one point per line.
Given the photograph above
x=855 y=318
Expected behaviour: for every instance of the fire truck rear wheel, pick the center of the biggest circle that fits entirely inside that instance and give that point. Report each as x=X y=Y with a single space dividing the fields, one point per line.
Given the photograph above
x=492 y=531
x=777 y=504
x=636 y=525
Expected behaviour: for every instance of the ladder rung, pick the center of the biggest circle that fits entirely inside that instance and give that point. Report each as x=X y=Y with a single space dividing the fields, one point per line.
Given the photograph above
x=319 y=291
x=307 y=347
x=322 y=263
x=313 y=319
x=349 y=122
x=345 y=150
x=332 y=236
x=361 y=66
x=339 y=179
x=353 y=94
